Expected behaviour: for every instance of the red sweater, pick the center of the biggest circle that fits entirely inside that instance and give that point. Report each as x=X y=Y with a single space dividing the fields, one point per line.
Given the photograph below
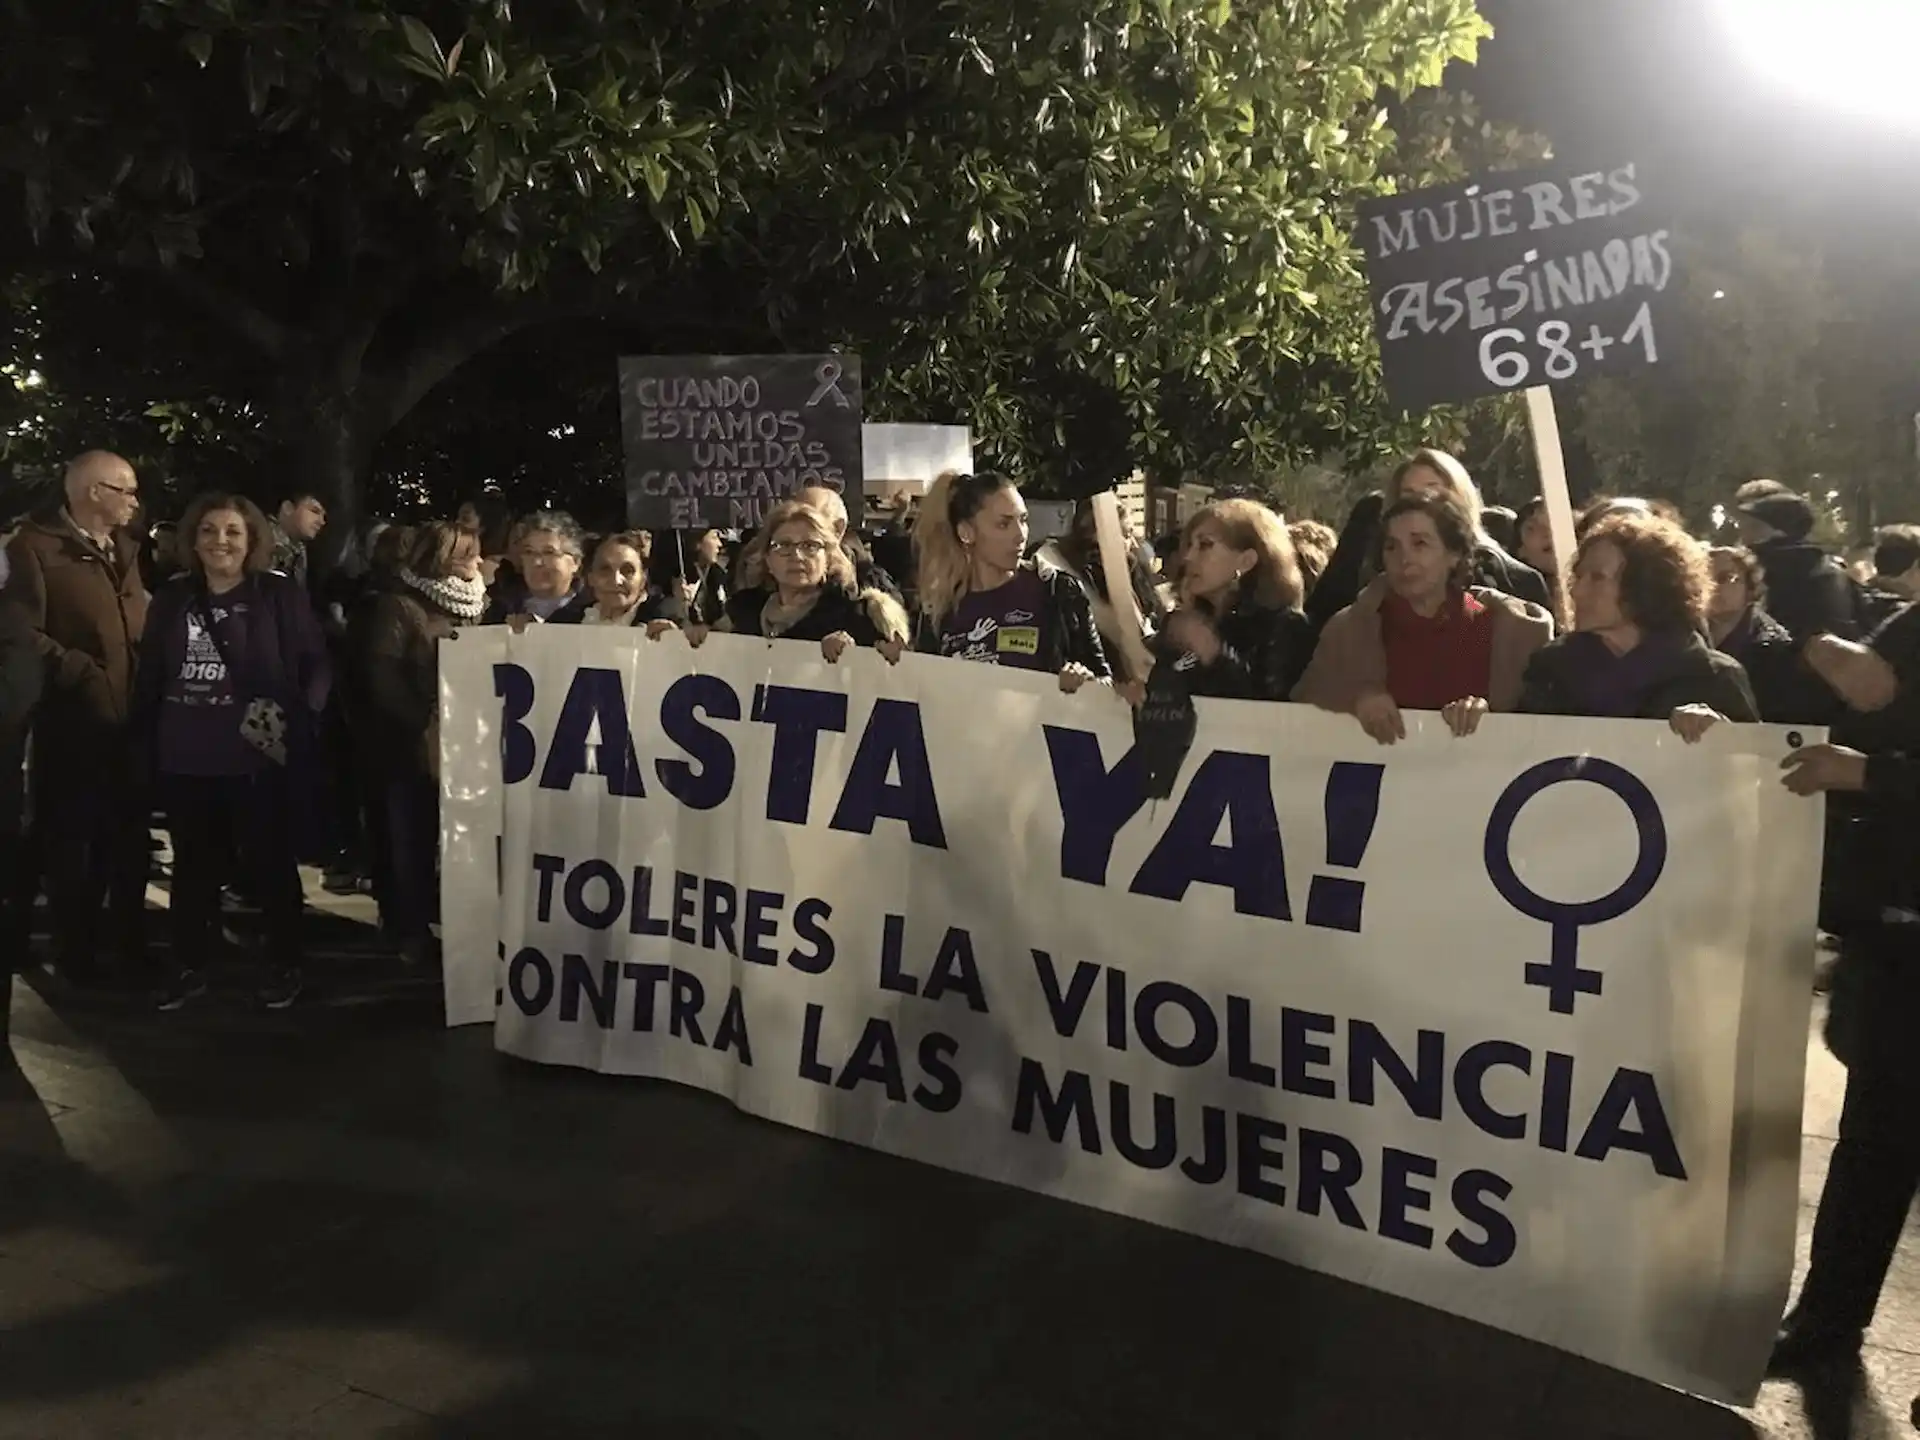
x=1433 y=662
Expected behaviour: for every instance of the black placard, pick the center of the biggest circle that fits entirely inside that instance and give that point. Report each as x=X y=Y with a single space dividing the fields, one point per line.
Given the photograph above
x=716 y=441
x=1518 y=278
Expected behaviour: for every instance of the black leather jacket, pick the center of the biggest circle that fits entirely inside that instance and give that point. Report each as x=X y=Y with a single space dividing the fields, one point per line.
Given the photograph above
x=1263 y=654
x=1069 y=636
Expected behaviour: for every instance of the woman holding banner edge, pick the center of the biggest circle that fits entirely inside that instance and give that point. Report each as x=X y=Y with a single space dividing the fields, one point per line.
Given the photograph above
x=814 y=594
x=1423 y=636
x=1639 y=591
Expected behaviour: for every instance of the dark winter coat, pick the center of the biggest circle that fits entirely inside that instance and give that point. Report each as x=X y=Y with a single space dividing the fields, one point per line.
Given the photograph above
x=22 y=676
x=1693 y=675
x=655 y=607
x=1068 y=636
x=396 y=681
x=506 y=601
x=1495 y=569
x=1808 y=591
x=869 y=617
x=1873 y=839
x=1787 y=692
x=283 y=658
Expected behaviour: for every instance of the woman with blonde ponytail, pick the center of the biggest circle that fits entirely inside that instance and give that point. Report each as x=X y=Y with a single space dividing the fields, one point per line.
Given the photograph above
x=983 y=599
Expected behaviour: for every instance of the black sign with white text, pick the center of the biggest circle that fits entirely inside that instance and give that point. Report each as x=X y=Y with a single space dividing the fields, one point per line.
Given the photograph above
x=1515 y=279
x=716 y=441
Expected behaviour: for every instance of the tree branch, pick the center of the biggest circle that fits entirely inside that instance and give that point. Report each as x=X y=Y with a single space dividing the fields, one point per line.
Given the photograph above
x=445 y=348
x=484 y=322
x=271 y=337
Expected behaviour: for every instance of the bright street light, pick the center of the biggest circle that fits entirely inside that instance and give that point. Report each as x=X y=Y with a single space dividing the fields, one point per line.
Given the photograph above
x=1849 y=55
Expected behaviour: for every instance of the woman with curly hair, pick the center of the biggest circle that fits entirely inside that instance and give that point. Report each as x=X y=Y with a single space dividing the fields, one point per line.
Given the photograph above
x=1639 y=592
x=1238 y=631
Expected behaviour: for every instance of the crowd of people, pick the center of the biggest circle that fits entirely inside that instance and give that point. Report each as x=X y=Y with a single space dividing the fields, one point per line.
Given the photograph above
x=204 y=678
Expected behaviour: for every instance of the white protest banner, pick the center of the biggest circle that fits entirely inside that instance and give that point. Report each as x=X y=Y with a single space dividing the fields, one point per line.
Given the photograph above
x=1510 y=1025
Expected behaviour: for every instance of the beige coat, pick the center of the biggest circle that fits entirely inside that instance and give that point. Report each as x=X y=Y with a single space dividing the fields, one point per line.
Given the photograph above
x=1351 y=660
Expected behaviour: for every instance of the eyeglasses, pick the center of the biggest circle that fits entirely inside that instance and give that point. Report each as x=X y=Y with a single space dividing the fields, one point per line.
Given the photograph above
x=125 y=492
x=546 y=555
x=809 y=549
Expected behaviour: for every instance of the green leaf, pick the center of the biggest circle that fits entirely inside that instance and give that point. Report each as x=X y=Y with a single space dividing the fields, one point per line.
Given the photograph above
x=200 y=46
x=696 y=222
x=655 y=175
x=421 y=43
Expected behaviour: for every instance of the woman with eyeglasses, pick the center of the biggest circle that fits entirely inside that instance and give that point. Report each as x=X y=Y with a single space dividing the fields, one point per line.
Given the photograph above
x=982 y=599
x=813 y=595
x=548 y=553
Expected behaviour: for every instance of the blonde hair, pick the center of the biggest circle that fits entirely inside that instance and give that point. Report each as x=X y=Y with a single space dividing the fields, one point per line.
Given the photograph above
x=1274 y=582
x=1449 y=470
x=943 y=569
x=819 y=526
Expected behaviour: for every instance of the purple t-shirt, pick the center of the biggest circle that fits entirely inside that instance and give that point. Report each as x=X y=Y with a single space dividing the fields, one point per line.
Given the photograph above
x=199 y=710
x=999 y=627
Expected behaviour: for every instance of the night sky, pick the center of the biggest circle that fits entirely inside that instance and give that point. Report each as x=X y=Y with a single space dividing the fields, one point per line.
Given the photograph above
x=1660 y=79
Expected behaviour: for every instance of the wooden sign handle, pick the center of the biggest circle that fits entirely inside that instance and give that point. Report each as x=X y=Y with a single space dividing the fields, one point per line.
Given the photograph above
x=1544 y=422
x=1113 y=565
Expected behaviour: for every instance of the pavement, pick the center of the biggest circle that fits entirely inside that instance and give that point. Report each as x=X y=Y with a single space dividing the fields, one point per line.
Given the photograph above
x=344 y=1221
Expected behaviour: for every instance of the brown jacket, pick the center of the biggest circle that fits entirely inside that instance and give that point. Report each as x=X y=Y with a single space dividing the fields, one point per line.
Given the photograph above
x=1351 y=660
x=87 y=611
x=397 y=665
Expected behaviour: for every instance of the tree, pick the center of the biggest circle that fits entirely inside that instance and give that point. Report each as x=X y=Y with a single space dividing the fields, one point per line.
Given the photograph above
x=1789 y=368
x=1106 y=231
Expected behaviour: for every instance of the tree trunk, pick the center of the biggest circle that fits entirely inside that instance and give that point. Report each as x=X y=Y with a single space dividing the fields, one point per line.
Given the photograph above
x=325 y=449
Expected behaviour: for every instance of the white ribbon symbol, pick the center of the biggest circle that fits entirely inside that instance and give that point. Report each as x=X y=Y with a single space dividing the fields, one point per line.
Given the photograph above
x=829 y=377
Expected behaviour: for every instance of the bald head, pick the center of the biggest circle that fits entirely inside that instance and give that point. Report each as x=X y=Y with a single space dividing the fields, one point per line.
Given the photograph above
x=102 y=491
x=828 y=503
x=96 y=467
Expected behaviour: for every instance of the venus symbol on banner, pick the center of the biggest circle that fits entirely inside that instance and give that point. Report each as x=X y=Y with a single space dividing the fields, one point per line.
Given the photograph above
x=1561 y=976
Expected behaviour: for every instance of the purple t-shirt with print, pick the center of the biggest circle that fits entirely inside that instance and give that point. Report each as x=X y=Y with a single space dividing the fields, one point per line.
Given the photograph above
x=1000 y=626
x=199 y=709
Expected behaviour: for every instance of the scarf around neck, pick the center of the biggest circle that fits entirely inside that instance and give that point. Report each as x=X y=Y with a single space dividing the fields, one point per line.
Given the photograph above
x=777 y=619
x=462 y=599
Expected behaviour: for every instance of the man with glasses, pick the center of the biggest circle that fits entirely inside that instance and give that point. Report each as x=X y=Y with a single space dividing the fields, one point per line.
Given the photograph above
x=76 y=581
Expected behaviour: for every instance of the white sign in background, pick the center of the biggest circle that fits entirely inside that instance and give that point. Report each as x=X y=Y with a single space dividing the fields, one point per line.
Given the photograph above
x=1402 y=1105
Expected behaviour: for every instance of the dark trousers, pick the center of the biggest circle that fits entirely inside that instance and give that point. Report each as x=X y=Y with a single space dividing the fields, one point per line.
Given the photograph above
x=347 y=839
x=232 y=826
x=1876 y=1164
x=89 y=831
x=410 y=863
